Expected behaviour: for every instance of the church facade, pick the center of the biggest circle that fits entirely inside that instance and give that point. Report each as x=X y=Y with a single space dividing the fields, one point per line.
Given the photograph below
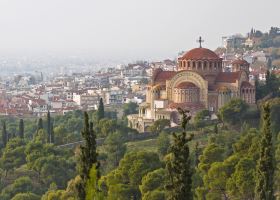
x=198 y=83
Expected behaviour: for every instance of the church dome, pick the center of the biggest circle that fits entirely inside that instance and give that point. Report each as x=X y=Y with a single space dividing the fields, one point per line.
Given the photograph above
x=185 y=85
x=200 y=54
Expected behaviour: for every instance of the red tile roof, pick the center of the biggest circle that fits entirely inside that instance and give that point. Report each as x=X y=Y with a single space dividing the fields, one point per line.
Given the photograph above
x=228 y=77
x=240 y=62
x=161 y=76
x=189 y=106
x=200 y=54
x=246 y=84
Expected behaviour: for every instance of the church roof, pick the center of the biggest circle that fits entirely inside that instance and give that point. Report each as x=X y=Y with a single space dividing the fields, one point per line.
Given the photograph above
x=161 y=76
x=185 y=85
x=200 y=54
x=246 y=84
x=240 y=62
x=228 y=77
x=189 y=106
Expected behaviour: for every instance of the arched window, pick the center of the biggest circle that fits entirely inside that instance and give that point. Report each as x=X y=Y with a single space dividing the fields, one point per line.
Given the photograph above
x=199 y=65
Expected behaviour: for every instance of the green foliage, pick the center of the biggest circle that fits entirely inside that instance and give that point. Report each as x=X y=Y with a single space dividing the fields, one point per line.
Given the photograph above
x=270 y=87
x=134 y=166
x=115 y=148
x=130 y=108
x=100 y=111
x=228 y=176
x=13 y=155
x=92 y=188
x=88 y=155
x=49 y=127
x=201 y=117
x=51 y=164
x=163 y=143
x=155 y=195
x=107 y=126
x=277 y=164
x=241 y=184
x=40 y=124
x=26 y=196
x=178 y=165
x=4 y=134
x=124 y=181
x=159 y=125
x=61 y=134
x=41 y=136
x=275 y=116
x=21 y=129
x=55 y=169
x=122 y=192
x=212 y=153
x=233 y=112
x=20 y=185
x=152 y=185
x=265 y=167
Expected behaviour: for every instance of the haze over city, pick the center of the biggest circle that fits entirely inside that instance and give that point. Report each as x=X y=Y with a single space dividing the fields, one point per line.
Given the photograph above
x=126 y=29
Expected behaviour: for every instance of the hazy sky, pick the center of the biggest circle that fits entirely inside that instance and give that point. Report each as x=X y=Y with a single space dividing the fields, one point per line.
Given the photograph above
x=129 y=29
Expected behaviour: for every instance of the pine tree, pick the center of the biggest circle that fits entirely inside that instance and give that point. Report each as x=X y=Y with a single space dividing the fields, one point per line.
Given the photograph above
x=178 y=167
x=21 y=129
x=100 y=111
x=4 y=134
x=49 y=126
x=265 y=167
x=88 y=156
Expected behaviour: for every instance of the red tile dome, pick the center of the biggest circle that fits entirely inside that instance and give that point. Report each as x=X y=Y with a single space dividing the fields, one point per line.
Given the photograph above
x=200 y=54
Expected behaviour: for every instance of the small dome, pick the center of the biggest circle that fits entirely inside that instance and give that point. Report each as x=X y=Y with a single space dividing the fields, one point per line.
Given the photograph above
x=200 y=54
x=185 y=85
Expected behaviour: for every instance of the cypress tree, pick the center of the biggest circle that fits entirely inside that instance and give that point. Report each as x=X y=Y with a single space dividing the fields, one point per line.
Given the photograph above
x=21 y=129
x=40 y=124
x=100 y=111
x=49 y=126
x=178 y=166
x=4 y=134
x=52 y=134
x=265 y=168
x=88 y=156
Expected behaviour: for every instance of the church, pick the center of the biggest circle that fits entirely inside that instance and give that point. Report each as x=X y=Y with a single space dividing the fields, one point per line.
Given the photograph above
x=200 y=82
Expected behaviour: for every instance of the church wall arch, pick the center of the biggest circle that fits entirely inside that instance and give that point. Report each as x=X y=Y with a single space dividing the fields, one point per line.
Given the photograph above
x=192 y=77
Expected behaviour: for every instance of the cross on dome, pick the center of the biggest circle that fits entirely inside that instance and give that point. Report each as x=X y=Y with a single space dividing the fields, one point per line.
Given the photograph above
x=200 y=40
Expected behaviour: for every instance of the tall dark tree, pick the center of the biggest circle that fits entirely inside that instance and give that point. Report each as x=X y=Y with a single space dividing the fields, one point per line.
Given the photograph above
x=21 y=129
x=88 y=156
x=100 y=111
x=4 y=134
x=49 y=126
x=40 y=124
x=178 y=166
x=52 y=134
x=265 y=168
